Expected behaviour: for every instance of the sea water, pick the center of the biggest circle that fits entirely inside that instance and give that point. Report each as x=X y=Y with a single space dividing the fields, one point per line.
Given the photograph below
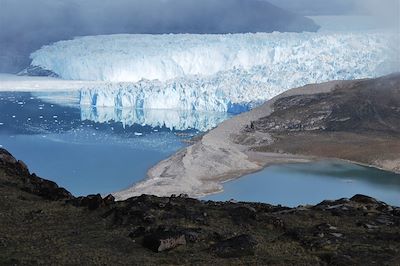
x=311 y=183
x=90 y=150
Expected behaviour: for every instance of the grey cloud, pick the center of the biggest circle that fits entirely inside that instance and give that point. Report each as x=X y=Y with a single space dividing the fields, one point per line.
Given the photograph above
x=26 y=25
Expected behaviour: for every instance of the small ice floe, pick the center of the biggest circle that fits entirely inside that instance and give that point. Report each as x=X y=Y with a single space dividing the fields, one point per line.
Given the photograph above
x=29 y=119
x=13 y=116
x=40 y=108
x=41 y=117
x=21 y=103
x=54 y=116
x=138 y=134
x=1 y=124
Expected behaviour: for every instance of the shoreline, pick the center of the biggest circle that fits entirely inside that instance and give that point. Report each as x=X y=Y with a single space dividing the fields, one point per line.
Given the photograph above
x=211 y=153
x=226 y=152
x=178 y=230
x=307 y=160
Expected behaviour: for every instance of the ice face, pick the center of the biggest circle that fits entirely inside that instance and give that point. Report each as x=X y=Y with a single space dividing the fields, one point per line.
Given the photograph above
x=212 y=72
x=130 y=58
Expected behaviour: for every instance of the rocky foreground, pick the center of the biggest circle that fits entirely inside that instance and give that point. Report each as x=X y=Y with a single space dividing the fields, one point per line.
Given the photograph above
x=41 y=223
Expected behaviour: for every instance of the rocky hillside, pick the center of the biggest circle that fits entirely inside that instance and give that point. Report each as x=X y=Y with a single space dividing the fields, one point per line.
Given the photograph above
x=357 y=121
x=41 y=223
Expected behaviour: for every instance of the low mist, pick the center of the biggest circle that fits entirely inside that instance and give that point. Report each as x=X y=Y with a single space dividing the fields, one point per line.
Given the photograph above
x=26 y=25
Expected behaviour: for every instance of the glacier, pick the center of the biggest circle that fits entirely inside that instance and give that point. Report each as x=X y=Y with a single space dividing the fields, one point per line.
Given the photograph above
x=223 y=73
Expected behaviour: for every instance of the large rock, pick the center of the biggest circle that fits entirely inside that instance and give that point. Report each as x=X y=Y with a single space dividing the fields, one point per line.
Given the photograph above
x=93 y=202
x=164 y=240
x=30 y=182
x=6 y=157
x=363 y=199
x=45 y=188
x=239 y=246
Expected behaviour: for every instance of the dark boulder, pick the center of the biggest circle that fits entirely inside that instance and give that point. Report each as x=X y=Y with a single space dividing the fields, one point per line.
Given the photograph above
x=108 y=200
x=159 y=240
x=12 y=165
x=30 y=182
x=138 y=232
x=239 y=246
x=363 y=199
x=45 y=188
x=243 y=214
x=6 y=157
x=92 y=202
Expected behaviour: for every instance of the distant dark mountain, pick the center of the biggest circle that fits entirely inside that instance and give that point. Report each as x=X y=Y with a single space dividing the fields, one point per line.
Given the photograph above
x=25 y=27
x=319 y=7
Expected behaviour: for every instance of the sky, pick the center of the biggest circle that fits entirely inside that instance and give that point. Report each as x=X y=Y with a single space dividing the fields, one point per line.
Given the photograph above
x=335 y=7
x=26 y=25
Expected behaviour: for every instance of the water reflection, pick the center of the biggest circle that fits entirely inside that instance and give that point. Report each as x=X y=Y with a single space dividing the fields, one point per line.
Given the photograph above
x=25 y=113
x=91 y=150
x=171 y=119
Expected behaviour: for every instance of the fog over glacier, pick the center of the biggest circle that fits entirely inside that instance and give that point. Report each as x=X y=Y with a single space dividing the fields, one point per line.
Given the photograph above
x=26 y=25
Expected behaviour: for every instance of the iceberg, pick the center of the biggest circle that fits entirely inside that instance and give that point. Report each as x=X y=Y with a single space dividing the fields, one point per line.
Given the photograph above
x=220 y=73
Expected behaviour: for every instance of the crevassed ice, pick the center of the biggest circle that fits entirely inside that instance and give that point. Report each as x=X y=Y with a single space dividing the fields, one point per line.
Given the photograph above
x=130 y=58
x=212 y=72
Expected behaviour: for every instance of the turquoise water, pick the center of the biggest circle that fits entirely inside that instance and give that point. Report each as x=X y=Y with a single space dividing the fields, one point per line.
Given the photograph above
x=92 y=150
x=311 y=183
x=103 y=150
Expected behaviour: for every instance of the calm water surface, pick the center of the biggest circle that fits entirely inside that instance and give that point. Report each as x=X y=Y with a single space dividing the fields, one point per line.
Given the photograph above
x=102 y=150
x=92 y=150
x=301 y=184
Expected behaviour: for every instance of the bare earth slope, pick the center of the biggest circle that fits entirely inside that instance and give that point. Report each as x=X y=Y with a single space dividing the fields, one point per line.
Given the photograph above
x=356 y=120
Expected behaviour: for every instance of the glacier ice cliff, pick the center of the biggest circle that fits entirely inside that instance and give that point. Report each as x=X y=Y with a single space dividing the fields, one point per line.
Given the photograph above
x=212 y=72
